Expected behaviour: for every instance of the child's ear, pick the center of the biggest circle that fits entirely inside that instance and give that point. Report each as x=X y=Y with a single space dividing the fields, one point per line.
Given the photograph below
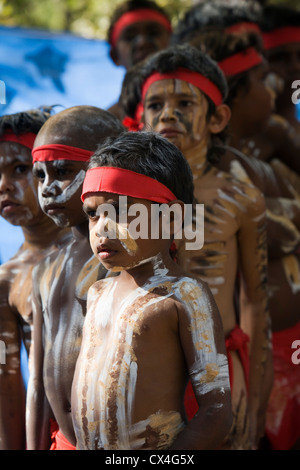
x=176 y=216
x=219 y=119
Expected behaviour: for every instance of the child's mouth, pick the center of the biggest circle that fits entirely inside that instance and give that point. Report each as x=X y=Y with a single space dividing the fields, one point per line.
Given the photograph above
x=105 y=253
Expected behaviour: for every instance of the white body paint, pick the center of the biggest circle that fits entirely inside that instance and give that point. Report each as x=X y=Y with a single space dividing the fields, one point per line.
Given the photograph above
x=109 y=340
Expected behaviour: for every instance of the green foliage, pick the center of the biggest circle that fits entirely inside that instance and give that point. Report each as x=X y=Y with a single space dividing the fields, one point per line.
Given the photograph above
x=89 y=18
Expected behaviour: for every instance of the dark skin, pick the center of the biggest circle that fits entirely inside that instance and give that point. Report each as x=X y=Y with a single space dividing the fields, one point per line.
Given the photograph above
x=151 y=336
x=19 y=206
x=62 y=282
x=280 y=186
x=178 y=111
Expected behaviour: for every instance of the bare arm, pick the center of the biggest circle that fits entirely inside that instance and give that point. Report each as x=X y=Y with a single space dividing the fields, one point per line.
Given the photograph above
x=254 y=310
x=12 y=390
x=202 y=338
x=37 y=407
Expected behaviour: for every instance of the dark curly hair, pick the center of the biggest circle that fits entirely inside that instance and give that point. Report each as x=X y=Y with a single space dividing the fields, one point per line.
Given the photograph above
x=150 y=154
x=25 y=121
x=214 y=15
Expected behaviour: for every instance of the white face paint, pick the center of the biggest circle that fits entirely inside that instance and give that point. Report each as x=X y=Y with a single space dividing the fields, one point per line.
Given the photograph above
x=58 y=194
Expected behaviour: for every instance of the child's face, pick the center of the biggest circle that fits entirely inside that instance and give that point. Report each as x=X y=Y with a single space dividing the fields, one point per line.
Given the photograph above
x=256 y=104
x=138 y=41
x=285 y=61
x=113 y=225
x=177 y=110
x=59 y=190
x=18 y=193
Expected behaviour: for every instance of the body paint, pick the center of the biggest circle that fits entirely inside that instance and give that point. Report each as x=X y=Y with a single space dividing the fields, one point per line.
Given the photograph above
x=113 y=386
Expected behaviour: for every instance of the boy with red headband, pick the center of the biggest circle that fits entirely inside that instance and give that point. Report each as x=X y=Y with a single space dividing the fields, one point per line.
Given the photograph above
x=244 y=68
x=276 y=138
x=152 y=327
x=138 y=28
x=180 y=94
x=20 y=207
x=62 y=149
x=281 y=37
x=234 y=17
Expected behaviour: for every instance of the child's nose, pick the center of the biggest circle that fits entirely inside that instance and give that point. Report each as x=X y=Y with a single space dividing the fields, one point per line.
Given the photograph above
x=103 y=228
x=168 y=112
x=49 y=188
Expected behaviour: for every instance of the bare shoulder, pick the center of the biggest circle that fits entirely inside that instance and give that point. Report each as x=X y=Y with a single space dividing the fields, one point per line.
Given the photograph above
x=99 y=286
x=245 y=195
x=191 y=294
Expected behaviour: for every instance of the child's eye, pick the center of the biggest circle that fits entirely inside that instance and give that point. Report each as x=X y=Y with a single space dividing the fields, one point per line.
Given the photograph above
x=39 y=174
x=62 y=172
x=154 y=106
x=20 y=169
x=92 y=214
x=185 y=103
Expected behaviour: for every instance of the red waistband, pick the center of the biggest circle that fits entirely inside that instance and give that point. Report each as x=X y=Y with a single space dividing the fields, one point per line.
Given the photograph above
x=59 y=441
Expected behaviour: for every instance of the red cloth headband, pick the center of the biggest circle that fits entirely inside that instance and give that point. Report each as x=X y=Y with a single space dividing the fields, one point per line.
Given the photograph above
x=243 y=26
x=279 y=37
x=126 y=182
x=194 y=78
x=135 y=16
x=26 y=139
x=240 y=62
x=48 y=153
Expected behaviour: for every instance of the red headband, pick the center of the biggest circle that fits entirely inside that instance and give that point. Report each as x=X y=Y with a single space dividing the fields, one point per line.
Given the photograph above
x=126 y=182
x=240 y=62
x=280 y=36
x=243 y=26
x=136 y=16
x=26 y=139
x=48 y=153
x=194 y=78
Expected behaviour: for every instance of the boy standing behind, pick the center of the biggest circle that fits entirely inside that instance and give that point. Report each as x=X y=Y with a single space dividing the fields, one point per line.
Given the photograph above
x=61 y=152
x=152 y=327
x=179 y=93
x=19 y=206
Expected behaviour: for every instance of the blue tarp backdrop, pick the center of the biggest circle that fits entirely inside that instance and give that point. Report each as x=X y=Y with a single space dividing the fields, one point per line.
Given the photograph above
x=43 y=68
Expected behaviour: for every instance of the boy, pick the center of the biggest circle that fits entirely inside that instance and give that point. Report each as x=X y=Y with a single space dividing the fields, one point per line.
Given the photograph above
x=150 y=328
x=244 y=68
x=277 y=138
x=234 y=17
x=138 y=28
x=19 y=206
x=61 y=152
x=179 y=93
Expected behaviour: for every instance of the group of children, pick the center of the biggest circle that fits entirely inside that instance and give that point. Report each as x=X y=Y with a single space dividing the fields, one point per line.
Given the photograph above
x=138 y=341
